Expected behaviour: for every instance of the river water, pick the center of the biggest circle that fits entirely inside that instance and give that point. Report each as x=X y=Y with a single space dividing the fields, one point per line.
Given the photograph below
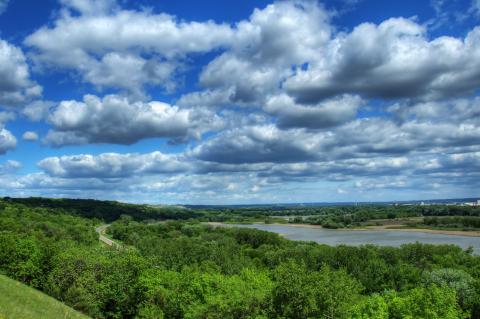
x=363 y=237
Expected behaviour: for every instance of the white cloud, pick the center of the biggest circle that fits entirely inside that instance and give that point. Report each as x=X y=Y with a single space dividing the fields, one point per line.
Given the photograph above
x=30 y=136
x=16 y=87
x=38 y=110
x=114 y=119
x=113 y=165
x=455 y=131
x=6 y=116
x=8 y=142
x=394 y=59
x=126 y=49
x=264 y=49
x=9 y=167
x=326 y=114
x=258 y=144
x=391 y=60
x=131 y=72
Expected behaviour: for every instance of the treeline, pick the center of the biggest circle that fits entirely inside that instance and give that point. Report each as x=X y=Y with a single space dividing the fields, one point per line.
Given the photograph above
x=334 y=216
x=341 y=217
x=107 y=211
x=328 y=216
x=463 y=222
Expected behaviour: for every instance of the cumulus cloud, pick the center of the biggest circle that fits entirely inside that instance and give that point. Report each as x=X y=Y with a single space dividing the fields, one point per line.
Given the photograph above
x=452 y=165
x=30 y=136
x=9 y=167
x=16 y=87
x=264 y=49
x=38 y=110
x=112 y=165
x=326 y=114
x=394 y=59
x=114 y=119
x=6 y=116
x=207 y=98
x=8 y=142
x=114 y=48
x=173 y=189
x=339 y=170
x=257 y=144
x=369 y=176
x=456 y=111
x=359 y=138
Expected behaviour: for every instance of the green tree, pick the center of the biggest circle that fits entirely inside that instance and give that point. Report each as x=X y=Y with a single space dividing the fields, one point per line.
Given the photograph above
x=458 y=280
x=21 y=258
x=371 y=307
x=430 y=302
x=196 y=294
x=300 y=293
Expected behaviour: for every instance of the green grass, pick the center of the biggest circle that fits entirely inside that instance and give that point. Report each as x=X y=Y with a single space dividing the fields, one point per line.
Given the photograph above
x=18 y=301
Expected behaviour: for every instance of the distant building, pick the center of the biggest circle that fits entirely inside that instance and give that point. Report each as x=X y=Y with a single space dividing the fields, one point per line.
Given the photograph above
x=477 y=203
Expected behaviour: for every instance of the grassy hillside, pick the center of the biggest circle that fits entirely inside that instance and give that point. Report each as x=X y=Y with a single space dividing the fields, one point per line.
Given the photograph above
x=18 y=301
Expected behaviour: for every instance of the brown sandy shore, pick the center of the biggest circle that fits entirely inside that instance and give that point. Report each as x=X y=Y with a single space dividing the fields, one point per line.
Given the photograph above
x=473 y=233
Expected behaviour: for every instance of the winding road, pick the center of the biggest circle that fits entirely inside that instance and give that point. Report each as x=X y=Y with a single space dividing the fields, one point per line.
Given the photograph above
x=101 y=232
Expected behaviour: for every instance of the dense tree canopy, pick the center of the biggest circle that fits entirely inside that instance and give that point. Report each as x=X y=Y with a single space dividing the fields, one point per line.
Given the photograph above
x=187 y=269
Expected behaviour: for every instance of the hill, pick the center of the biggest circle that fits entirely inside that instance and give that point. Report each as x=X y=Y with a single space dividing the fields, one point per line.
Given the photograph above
x=107 y=211
x=18 y=301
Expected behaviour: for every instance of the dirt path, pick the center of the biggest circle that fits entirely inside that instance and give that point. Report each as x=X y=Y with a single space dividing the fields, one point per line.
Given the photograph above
x=101 y=232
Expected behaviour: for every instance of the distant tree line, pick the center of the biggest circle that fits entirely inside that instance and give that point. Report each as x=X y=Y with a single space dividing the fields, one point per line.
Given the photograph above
x=463 y=222
x=328 y=216
x=107 y=211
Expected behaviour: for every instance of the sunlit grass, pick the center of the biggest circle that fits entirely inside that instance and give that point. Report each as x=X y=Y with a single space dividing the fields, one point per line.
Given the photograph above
x=18 y=301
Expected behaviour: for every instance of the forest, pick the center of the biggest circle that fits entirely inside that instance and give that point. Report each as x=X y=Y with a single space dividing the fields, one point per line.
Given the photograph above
x=172 y=265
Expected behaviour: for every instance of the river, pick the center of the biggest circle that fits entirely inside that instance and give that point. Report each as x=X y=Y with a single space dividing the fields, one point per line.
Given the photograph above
x=363 y=237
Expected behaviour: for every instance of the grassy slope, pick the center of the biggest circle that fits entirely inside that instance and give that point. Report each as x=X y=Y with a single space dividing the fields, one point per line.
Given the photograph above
x=18 y=301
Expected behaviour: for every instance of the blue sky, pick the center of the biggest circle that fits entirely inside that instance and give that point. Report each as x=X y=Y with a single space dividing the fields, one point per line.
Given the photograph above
x=240 y=102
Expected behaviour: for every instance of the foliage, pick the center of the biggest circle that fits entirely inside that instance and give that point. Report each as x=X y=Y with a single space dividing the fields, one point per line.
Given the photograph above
x=187 y=269
x=301 y=293
x=431 y=302
x=458 y=280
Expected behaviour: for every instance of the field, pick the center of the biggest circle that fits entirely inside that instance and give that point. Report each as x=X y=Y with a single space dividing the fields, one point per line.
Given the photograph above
x=18 y=301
